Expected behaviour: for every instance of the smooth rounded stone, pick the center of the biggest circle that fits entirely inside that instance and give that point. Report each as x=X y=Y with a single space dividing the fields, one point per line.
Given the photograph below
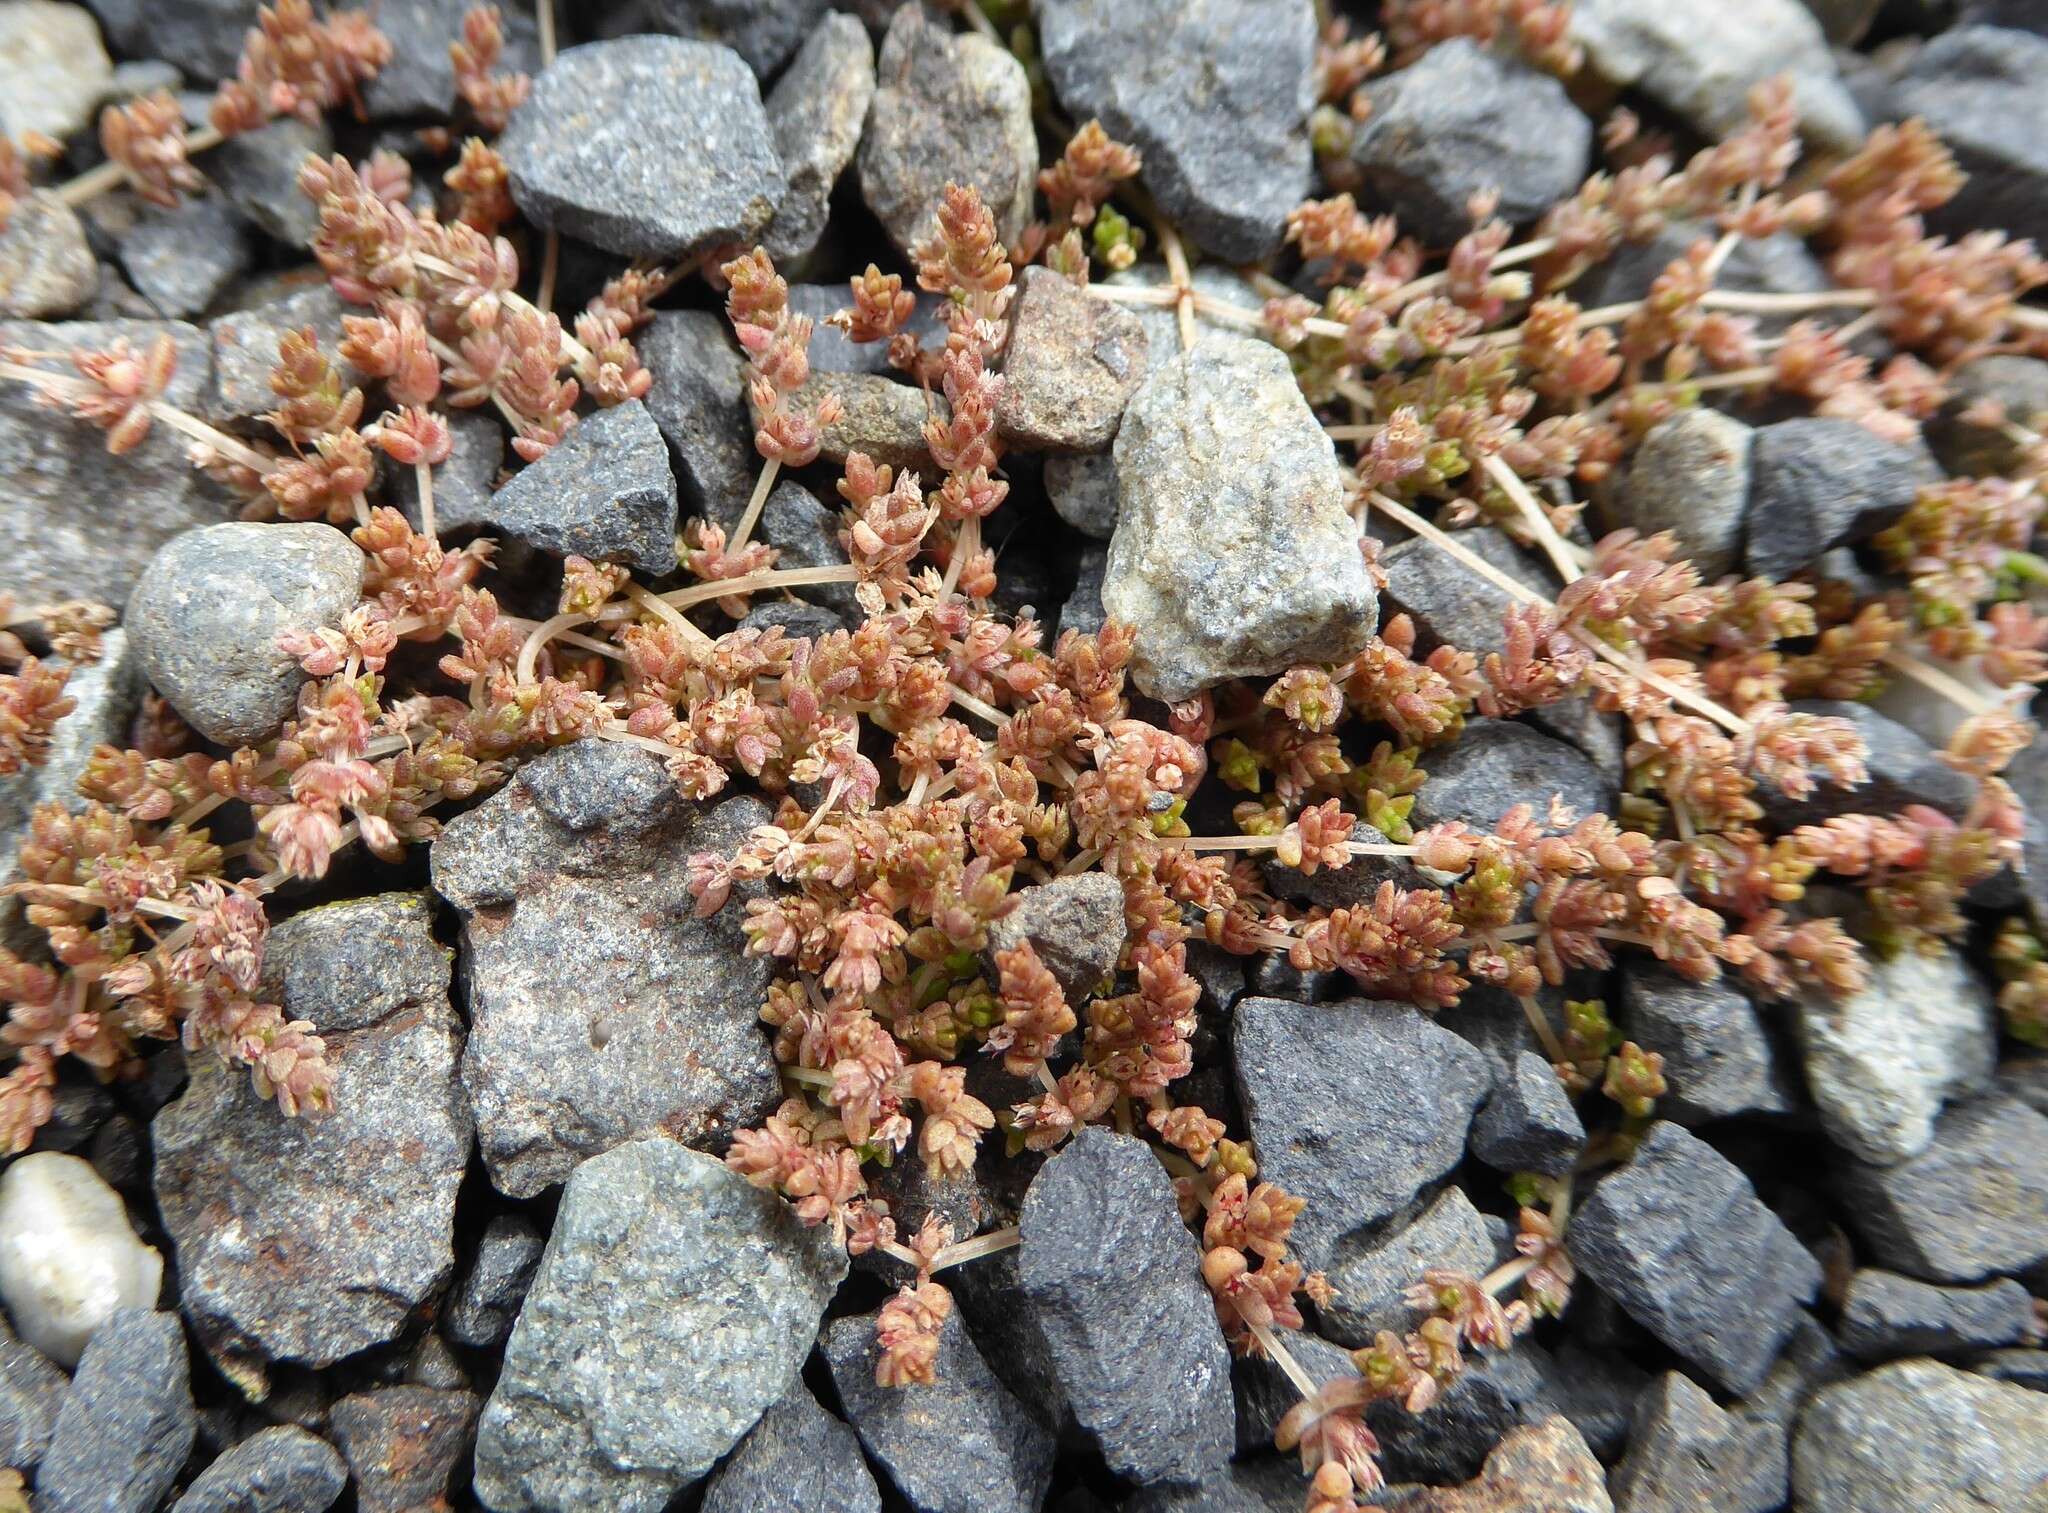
x=1881 y=1064
x=46 y=267
x=1083 y=492
x=949 y=108
x=806 y=534
x=963 y=1444
x=1718 y=1061
x=1449 y=604
x=68 y=1258
x=604 y=492
x=1460 y=120
x=278 y=1470
x=245 y=354
x=1371 y=1277
x=1529 y=1124
x=53 y=68
x=1679 y=1238
x=463 y=483
x=679 y=158
x=764 y=32
x=1973 y=1204
x=2019 y=385
x=1076 y=924
x=1071 y=365
x=1687 y=1454
x=420 y=78
x=278 y=1220
x=402 y=1444
x=1214 y=94
x=128 y=1422
x=1885 y=1316
x=817 y=110
x=601 y=1009
x=879 y=416
x=1234 y=555
x=1817 y=483
x=206 y=616
x=181 y=259
x=699 y=401
x=259 y=172
x=1918 y=1434
x=81 y=523
x=1544 y=1466
x=1691 y=477
x=1977 y=88
x=674 y=1305
x=797 y=1459
x=481 y=1312
x=1701 y=66
x=1354 y=1106
x=1498 y=764
x=1083 y=610
x=32 y=1392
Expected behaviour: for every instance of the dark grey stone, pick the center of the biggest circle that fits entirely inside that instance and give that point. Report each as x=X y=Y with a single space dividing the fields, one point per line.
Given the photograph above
x=127 y=1423
x=46 y=266
x=351 y=965
x=1972 y=1205
x=420 y=78
x=1903 y=769
x=181 y=259
x=207 y=613
x=278 y=1470
x=1010 y=1338
x=1106 y=1260
x=1461 y=119
x=2025 y=1077
x=2021 y=1368
x=699 y=400
x=1885 y=1316
x=806 y=534
x=1780 y=264
x=949 y=107
x=1691 y=477
x=402 y=1444
x=797 y=1459
x=201 y=38
x=1076 y=924
x=481 y=1312
x=1529 y=1124
x=2019 y=385
x=1354 y=1106
x=1215 y=95
x=962 y=1444
x=245 y=352
x=1071 y=365
x=1817 y=483
x=1372 y=1275
x=795 y=619
x=601 y=1009
x=259 y=173
x=604 y=492
x=1265 y=1485
x=433 y=1364
x=1340 y=887
x=1497 y=764
x=1448 y=603
x=817 y=110
x=679 y=159
x=831 y=351
x=1083 y=492
x=1265 y=1393
x=1977 y=88
x=1687 y=1454
x=1680 y=1240
x=764 y=32
x=32 y=1388
x=1718 y=1062
x=1083 y=610
x=674 y=1305
x=462 y=484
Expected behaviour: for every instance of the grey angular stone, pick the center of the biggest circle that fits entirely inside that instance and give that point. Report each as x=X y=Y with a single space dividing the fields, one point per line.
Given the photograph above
x=201 y=38
x=1450 y=1440
x=209 y=608
x=351 y=965
x=795 y=619
x=604 y=492
x=1780 y=264
x=1687 y=1454
x=1234 y=555
x=463 y=483
x=1498 y=764
x=1880 y=1064
x=278 y=1221
x=1691 y=477
x=1215 y=96
x=1844 y=21
x=1885 y=1315
x=1600 y=738
x=259 y=173
x=1701 y=67
x=1529 y=1124
x=46 y=267
x=949 y=108
x=1975 y=87
x=1540 y=1466
x=1718 y=1062
x=127 y=1423
x=52 y=68
x=1265 y=1485
x=2019 y=385
x=402 y=1444
x=32 y=1388
x=1340 y=887
x=600 y=1008
x=181 y=259
x=1264 y=1392
x=832 y=351
x=817 y=110
x=674 y=1305
x=1354 y=1106
x=1371 y=1276
x=1011 y=1340
x=1083 y=492
x=1105 y=1259
x=420 y=78
x=879 y=416
x=764 y=32
x=245 y=352
x=81 y=523
x=1076 y=924
x=481 y=1312
x=1679 y=1238
x=1083 y=609
x=963 y=1444
x=2020 y=1368
x=699 y=400
x=1449 y=604
x=1917 y=1434
x=1817 y=483
x=277 y=1470
x=433 y=1364
x=679 y=159
x=1071 y=365
x=1904 y=769
x=1972 y=1205
x=797 y=1459
x=1459 y=120
x=806 y=534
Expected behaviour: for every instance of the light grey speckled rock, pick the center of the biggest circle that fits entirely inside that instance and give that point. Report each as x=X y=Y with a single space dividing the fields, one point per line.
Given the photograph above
x=1977 y=88
x=207 y=614
x=1072 y=363
x=817 y=110
x=1076 y=924
x=245 y=353
x=764 y=32
x=1885 y=1315
x=46 y=268
x=1544 y=1466
x=652 y=147
x=878 y=416
x=402 y=1444
x=53 y=68
x=1687 y=1454
x=1691 y=477
x=1718 y=1062
x=1817 y=483
x=127 y=1423
x=1083 y=492
x=182 y=258
x=604 y=492
x=277 y=1470
x=1105 y=1260
x=32 y=1388
x=481 y=1312
x=1234 y=555
x=797 y=1459
x=1372 y=1275
x=1214 y=94
x=1354 y=1106
x=674 y=1305
x=601 y=1009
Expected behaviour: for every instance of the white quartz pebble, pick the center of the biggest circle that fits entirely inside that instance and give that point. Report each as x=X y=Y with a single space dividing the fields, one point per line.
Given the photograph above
x=68 y=1258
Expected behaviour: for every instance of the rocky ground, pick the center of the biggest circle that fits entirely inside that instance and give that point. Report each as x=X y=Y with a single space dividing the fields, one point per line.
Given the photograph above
x=511 y=1269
